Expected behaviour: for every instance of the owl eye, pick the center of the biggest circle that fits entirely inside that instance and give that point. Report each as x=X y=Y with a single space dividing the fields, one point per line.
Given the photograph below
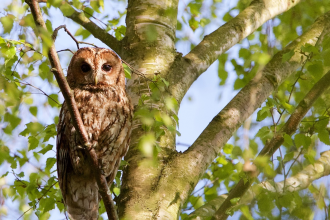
x=85 y=67
x=106 y=67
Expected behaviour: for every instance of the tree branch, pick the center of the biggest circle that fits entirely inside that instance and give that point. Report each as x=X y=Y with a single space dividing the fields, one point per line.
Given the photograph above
x=190 y=165
x=289 y=128
x=297 y=182
x=75 y=115
x=213 y=45
x=96 y=31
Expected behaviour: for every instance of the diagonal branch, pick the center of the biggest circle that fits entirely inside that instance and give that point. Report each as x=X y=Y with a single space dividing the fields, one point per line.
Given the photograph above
x=298 y=182
x=289 y=128
x=213 y=45
x=75 y=116
x=96 y=31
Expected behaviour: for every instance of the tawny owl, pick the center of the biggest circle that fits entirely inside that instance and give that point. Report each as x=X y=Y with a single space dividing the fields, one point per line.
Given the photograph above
x=97 y=79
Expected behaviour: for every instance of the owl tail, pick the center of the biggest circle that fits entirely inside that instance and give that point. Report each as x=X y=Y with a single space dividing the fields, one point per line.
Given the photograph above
x=82 y=197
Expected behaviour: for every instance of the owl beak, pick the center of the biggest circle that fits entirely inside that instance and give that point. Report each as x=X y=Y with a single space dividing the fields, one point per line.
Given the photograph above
x=95 y=80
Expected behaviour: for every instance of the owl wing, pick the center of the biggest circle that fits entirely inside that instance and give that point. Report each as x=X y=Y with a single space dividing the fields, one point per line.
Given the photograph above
x=114 y=139
x=62 y=151
x=78 y=186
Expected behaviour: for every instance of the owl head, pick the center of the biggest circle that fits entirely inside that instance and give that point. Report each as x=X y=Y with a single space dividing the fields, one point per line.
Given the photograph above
x=95 y=68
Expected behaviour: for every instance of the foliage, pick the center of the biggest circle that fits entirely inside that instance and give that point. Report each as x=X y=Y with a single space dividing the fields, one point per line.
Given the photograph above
x=30 y=100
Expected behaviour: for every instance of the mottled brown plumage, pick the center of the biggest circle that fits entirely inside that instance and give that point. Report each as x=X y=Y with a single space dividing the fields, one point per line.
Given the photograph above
x=97 y=79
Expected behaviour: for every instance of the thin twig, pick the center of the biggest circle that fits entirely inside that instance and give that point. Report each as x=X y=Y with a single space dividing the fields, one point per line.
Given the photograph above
x=82 y=42
x=295 y=160
x=95 y=18
x=28 y=84
x=271 y=112
x=283 y=167
x=206 y=185
x=65 y=50
x=67 y=31
x=38 y=199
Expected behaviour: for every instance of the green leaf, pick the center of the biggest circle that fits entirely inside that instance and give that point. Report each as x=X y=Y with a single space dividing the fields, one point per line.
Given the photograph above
x=32 y=128
x=316 y=70
x=44 y=70
x=288 y=140
x=287 y=56
x=120 y=32
x=288 y=157
x=324 y=137
x=147 y=144
x=4 y=175
x=165 y=82
x=50 y=132
x=246 y=212
x=49 y=164
x=321 y=123
x=82 y=32
x=234 y=201
x=127 y=71
x=33 y=110
x=285 y=200
x=21 y=174
x=66 y=9
x=228 y=148
x=116 y=191
x=263 y=113
x=33 y=143
x=244 y=53
x=222 y=160
x=48 y=204
x=193 y=24
x=171 y=103
x=196 y=201
x=95 y=4
x=53 y=100
x=195 y=7
x=302 y=140
x=46 y=149
x=265 y=204
x=12 y=119
x=310 y=158
x=49 y=26
x=7 y=23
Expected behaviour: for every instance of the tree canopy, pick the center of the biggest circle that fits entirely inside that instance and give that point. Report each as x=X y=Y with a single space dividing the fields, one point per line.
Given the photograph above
x=264 y=155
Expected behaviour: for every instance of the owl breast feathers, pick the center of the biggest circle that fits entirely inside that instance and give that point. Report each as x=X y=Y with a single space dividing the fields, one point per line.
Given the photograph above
x=97 y=79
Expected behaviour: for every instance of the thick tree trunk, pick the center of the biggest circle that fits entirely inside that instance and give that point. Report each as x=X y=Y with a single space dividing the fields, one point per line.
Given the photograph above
x=149 y=47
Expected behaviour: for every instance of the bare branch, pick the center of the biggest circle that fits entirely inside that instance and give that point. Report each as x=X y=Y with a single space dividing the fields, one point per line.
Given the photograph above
x=65 y=50
x=95 y=30
x=218 y=42
x=75 y=116
x=54 y=36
